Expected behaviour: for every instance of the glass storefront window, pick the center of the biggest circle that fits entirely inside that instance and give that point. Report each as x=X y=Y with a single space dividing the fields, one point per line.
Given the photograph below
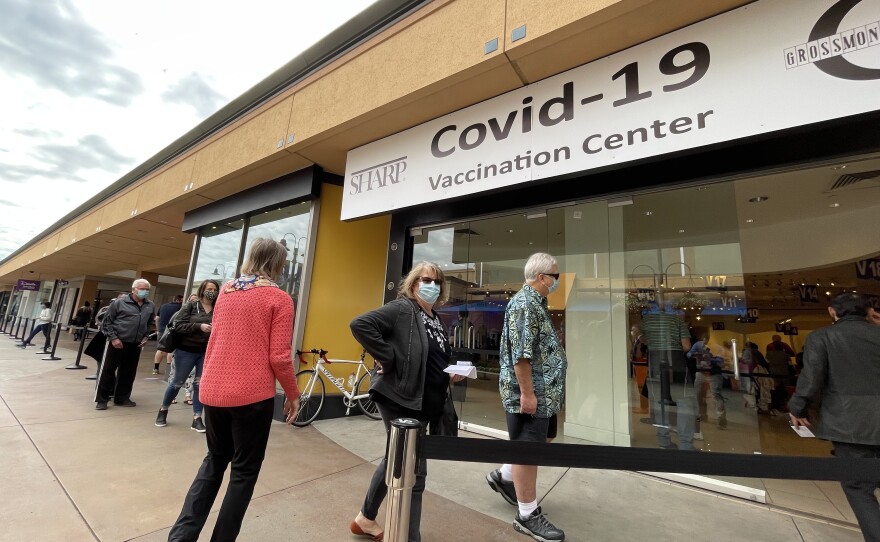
x=720 y=266
x=219 y=252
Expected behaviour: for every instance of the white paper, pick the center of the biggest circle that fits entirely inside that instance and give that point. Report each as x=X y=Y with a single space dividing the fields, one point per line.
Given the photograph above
x=463 y=370
x=803 y=431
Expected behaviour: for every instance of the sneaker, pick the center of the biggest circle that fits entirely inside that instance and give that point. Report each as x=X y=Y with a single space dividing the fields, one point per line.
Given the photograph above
x=538 y=527
x=126 y=403
x=198 y=425
x=698 y=435
x=161 y=418
x=101 y=406
x=502 y=486
x=155 y=371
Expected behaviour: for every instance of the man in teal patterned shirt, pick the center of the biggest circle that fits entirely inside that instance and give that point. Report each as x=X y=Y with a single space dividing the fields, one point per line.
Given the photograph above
x=532 y=385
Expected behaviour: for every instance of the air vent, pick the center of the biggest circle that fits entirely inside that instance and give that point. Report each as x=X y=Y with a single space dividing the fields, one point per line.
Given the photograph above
x=848 y=180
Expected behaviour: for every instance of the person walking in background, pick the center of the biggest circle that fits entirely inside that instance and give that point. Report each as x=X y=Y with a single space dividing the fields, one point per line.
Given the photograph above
x=248 y=349
x=44 y=324
x=532 y=386
x=126 y=326
x=166 y=313
x=192 y=328
x=82 y=318
x=842 y=366
x=411 y=349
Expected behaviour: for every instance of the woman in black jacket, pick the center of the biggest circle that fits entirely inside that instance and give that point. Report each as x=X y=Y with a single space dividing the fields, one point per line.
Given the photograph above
x=411 y=349
x=192 y=328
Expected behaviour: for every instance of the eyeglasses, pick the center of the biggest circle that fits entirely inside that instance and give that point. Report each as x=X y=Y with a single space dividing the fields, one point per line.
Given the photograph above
x=429 y=280
x=554 y=275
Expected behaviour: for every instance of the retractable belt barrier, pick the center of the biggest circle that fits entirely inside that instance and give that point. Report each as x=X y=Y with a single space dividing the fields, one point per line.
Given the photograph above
x=585 y=456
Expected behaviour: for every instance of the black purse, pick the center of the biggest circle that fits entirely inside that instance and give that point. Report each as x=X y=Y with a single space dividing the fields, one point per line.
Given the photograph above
x=447 y=425
x=167 y=341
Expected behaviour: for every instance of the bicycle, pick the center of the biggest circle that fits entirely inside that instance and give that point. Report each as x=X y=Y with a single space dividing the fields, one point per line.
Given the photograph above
x=312 y=389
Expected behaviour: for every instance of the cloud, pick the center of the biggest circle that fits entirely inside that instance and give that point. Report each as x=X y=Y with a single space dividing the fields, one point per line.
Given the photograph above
x=36 y=132
x=193 y=90
x=64 y=161
x=7 y=203
x=53 y=45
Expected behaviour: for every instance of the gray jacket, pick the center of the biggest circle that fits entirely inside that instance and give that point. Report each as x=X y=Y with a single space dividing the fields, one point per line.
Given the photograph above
x=395 y=336
x=127 y=321
x=842 y=370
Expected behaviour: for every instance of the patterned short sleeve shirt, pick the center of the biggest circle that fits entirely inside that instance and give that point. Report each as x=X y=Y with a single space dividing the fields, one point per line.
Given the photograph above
x=528 y=333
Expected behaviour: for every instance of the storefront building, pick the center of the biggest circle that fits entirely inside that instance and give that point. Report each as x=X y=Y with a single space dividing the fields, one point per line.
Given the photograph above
x=715 y=161
x=729 y=182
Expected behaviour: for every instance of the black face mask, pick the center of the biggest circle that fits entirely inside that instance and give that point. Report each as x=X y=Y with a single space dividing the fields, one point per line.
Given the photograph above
x=211 y=294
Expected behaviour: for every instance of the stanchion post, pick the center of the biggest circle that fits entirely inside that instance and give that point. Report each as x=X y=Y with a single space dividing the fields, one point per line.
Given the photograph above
x=82 y=346
x=18 y=327
x=400 y=476
x=4 y=325
x=54 y=344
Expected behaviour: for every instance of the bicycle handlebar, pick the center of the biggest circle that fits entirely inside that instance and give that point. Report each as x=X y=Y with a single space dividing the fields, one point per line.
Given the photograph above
x=320 y=351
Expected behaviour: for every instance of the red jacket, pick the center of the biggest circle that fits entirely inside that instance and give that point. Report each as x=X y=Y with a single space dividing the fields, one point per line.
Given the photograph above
x=249 y=346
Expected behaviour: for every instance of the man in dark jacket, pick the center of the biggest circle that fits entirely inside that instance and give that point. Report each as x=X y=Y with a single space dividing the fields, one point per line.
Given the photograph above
x=126 y=326
x=842 y=367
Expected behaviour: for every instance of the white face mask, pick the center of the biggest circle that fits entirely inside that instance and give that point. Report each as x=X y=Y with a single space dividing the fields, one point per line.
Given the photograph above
x=429 y=292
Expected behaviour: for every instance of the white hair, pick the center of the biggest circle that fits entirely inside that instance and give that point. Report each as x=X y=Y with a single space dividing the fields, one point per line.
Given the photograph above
x=140 y=281
x=538 y=263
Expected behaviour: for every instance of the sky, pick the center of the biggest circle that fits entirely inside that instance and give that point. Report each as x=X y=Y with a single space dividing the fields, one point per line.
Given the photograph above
x=93 y=88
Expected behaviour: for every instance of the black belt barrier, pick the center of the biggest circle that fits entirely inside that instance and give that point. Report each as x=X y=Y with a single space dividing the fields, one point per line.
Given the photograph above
x=585 y=456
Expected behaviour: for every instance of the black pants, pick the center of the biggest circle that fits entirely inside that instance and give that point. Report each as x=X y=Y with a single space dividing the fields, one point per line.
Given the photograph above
x=861 y=494
x=119 y=367
x=42 y=328
x=238 y=435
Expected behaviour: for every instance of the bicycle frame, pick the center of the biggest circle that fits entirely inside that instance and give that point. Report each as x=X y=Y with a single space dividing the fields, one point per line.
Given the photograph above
x=349 y=396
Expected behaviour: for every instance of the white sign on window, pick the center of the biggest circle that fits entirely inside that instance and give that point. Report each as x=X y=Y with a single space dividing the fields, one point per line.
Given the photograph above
x=767 y=66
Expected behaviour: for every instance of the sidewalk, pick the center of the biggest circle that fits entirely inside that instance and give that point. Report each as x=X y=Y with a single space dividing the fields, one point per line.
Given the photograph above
x=72 y=473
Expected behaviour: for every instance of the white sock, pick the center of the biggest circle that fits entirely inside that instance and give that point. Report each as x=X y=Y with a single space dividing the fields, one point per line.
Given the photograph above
x=507 y=472
x=526 y=508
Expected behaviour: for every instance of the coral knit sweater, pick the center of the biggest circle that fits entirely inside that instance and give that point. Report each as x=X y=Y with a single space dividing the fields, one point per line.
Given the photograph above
x=249 y=347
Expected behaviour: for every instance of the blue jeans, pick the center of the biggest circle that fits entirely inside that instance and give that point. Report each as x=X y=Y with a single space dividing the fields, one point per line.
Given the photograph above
x=184 y=362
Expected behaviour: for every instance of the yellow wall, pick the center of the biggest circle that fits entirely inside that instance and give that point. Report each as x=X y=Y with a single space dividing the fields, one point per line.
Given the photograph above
x=348 y=278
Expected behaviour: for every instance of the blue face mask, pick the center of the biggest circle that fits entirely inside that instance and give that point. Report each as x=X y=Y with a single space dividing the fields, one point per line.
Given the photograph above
x=554 y=286
x=143 y=293
x=429 y=292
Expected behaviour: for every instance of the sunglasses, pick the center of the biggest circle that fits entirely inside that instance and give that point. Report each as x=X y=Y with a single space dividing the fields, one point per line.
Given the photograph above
x=429 y=280
x=554 y=275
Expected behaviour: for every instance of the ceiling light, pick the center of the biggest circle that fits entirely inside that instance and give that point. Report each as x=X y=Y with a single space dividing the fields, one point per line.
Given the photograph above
x=759 y=199
x=827 y=293
x=680 y=231
x=509 y=231
x=649 y=213
x=834 y=205
x=488 y=244
x=750 y=220
x=835 y=168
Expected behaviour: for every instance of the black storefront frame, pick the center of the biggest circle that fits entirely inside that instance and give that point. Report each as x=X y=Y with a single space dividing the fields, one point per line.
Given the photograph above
x=829 y=141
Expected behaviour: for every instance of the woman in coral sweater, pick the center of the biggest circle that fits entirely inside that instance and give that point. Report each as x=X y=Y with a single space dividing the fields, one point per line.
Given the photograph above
x=248 y=350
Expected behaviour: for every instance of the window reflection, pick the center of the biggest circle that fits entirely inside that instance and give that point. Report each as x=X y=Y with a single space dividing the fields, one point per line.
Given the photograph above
x=218 y=252
x=289 y=226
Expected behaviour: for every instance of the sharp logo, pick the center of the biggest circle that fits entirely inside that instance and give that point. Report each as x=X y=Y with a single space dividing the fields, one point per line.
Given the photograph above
x=828 y=44
x=378 y=176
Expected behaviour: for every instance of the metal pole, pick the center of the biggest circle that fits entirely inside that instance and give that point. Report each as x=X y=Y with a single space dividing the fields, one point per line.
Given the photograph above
x=400 y=477
x=18 y=328
x=82 y=346
x=54 y=344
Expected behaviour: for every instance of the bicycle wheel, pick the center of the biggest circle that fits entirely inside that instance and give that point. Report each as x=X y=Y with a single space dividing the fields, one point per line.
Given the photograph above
x=367 y=406
x=311 y=397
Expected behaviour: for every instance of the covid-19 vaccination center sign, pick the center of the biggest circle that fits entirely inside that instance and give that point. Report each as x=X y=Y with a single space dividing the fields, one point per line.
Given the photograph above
x=767 y=66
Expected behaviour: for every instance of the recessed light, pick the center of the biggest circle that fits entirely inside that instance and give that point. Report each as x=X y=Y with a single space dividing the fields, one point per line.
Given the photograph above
x=834 y=205
x=759 y=199
x=680 y=231
x=488 y=244
x=509 y=231
x=835 y=168
x=702 y=188
x=750 y=220
x=531 y=242
x=649 y=213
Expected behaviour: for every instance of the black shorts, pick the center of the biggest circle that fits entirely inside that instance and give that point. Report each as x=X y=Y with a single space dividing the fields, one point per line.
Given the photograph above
x=526 y=427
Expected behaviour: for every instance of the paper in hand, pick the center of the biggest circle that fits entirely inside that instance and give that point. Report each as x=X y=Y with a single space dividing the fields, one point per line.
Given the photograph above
x=803 y=431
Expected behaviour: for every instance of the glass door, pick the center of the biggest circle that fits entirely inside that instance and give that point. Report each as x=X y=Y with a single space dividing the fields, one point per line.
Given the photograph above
x=483 y=261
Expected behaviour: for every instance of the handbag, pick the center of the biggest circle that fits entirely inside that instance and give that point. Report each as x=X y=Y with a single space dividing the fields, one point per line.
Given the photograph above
x=447 y=425
x=167 y=341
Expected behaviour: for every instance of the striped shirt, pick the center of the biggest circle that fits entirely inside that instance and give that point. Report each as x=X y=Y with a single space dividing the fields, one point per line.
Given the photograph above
x=664 y=331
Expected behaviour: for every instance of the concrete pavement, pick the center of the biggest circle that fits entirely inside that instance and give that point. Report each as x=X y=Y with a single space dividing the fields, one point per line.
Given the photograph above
x=69 y=472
